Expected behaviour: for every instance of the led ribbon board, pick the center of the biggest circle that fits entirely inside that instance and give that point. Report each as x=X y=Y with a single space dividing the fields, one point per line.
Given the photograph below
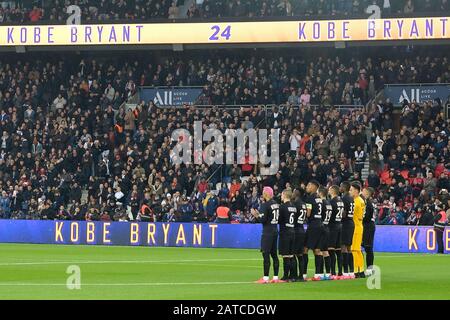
x=222 y=33
x=409 y=239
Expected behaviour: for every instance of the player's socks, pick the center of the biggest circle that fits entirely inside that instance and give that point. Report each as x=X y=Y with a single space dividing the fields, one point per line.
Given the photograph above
x=276 y=264
x=318 y=264
x=345 y=262
x=359 y=261
x=305 y=263
x=327 y=264
x=339 y=261
x=266 y=258
x=321 y=265
x=369 y=256
x=286 y=268
x=300 y=265
x=293 y=272
x=351 y=263
x=332 y=261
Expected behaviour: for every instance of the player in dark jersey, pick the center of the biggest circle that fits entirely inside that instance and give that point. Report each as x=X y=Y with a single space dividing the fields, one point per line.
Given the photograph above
x=288 y=214
x=299 y=233
x=369 y=228
x=335 y=225
x=326 y=215
x=348 y=228
x=268 y=214
x=314 y=232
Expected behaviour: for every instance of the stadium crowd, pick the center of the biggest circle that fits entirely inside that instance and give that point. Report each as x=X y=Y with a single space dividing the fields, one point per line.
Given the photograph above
x=274 y=8
x=20 y=11
x=69 y=149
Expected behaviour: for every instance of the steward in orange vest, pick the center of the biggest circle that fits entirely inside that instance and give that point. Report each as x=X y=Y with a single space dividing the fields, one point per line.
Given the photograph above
x=223 y=214
x=146 y=213
x=440 y=221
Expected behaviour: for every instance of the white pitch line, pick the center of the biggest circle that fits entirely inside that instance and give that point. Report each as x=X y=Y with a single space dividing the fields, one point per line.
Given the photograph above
x=119 y=261
x=31 y=263
x=127 y=284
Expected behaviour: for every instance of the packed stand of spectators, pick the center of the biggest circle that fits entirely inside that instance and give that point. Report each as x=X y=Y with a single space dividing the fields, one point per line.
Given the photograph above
x=321 y=8
x=335 y=80
x=21 y=11
x=55 y=11
x=411 y=168
x=63 y=130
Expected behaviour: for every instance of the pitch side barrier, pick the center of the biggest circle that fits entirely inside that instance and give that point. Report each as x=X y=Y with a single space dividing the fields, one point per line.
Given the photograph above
x=405 y=239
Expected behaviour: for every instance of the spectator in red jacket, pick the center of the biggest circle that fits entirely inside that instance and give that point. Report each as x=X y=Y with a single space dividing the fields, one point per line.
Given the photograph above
x=35 y=14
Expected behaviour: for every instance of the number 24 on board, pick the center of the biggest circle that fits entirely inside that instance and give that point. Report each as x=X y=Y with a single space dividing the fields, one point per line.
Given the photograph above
x=219 y=33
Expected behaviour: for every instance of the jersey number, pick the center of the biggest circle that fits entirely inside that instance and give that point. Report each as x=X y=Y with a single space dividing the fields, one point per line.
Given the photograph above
x=301 y=217
x=339 y=213
x=276 y=214
x=328 y=215
x=292 y=218
x=352 y=208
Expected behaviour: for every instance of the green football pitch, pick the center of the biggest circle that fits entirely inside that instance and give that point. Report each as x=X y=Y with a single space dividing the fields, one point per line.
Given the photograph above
x=40 y=272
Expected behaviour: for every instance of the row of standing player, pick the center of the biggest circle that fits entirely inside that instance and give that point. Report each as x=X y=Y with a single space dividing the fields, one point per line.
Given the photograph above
x=339 y=222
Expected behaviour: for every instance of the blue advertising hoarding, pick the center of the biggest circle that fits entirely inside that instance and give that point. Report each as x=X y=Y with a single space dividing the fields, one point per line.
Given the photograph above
x=408 y=239
x=416 y=92
x=170 y=97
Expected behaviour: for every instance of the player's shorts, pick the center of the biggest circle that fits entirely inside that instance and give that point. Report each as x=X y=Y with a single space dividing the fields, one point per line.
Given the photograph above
x=357 y=239
x=299 y=243
x=334 y=240
x=286 y=244
x=348 y=228
x=314 y=237
x=368 y=234
x=269 y=242
x=325 y=238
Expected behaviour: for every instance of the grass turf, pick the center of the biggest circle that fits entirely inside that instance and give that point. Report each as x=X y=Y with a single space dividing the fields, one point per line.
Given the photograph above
x=39 y=272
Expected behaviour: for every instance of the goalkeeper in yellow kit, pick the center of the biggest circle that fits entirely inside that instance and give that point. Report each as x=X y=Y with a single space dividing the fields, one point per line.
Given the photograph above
x=358 y=215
